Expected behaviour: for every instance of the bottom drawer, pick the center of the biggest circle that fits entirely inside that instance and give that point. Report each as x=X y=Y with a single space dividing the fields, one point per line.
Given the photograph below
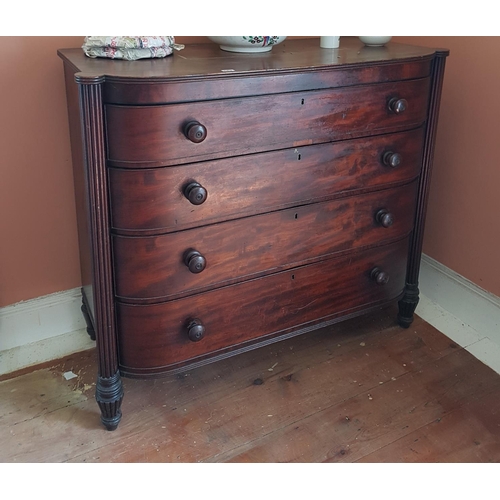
x=156 y=338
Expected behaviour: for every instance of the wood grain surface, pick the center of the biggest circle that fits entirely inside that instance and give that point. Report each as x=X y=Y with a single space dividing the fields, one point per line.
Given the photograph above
x=362 y=390
x=154 y=267
x=155 y=135
x=203 y=71
x=154 y=338
x=151 y=201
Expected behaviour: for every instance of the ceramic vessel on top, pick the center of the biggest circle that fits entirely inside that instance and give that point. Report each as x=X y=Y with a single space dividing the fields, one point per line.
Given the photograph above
x=247 y=43
x=375 y=41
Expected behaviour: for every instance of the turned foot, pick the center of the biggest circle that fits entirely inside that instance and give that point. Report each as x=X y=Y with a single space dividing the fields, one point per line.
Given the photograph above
x=109 y=396
x=407 y=305
x=86 y=315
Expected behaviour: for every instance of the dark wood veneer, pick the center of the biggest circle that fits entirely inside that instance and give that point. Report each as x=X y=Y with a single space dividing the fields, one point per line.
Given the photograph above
x=156 y=135
x=154 y=338
x=228 y=201
x=154 y=267
x=409 y=302
x=109 y=390
x=153 y=201
x=202 y=72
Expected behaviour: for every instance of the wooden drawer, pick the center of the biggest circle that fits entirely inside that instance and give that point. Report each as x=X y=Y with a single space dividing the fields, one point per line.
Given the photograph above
x=154 y=338
x=156 y=135
x=152 y=200
x=156 y=268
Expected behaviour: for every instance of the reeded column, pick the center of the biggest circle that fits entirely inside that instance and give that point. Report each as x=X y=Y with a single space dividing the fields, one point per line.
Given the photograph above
x=109 y=390
x=408 y=303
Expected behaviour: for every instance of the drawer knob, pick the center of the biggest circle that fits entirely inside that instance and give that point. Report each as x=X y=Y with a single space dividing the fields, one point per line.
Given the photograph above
x=195 y=193
x=196 y=330
x=195 y=261
x=384 y=218
x=392 y=159
x=398 y=106
x=195 y=132
x=380 y=277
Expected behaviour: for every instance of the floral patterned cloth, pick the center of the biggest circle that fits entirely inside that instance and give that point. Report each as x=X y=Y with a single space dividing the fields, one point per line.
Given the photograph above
x=129 y=47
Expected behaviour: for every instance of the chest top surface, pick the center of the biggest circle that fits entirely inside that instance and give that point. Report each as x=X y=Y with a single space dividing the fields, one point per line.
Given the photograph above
x=207 y=60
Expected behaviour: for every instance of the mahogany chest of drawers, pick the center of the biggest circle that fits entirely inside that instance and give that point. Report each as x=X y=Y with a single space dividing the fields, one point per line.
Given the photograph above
x=228 y=201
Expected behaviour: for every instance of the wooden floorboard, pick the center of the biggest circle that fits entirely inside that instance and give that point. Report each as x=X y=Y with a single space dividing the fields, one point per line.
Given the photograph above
x=361 y=391
x=469 y=434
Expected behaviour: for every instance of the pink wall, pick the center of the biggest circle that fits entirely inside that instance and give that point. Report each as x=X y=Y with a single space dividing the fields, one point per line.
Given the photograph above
x=39 y=254
x=463 y=221
x=38 y=250
x=39 y=247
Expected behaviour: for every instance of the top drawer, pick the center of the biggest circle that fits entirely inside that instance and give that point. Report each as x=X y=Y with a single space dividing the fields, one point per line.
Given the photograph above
x=166 y=135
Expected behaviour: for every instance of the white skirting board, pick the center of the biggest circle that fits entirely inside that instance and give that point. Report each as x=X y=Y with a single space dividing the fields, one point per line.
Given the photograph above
x=51 y=327
x=42 y=329
x=464 y=312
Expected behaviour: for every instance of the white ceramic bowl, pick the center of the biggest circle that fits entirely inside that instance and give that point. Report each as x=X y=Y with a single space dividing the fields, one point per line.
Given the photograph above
x=247 y=43
x=375 y=41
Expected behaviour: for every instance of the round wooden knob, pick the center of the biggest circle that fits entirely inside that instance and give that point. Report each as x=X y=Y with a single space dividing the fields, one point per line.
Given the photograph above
x=380 y=277
x=195 y=193
x=196 y=330
x=392 y=159
x=384 y=218
x=398 y=106
x=195 y=261
x=195 y=132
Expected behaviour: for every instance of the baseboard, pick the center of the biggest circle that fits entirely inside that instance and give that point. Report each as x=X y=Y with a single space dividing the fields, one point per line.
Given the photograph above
x=42 y=329
x=462 y=298
x=460 y=309
x=36 y=353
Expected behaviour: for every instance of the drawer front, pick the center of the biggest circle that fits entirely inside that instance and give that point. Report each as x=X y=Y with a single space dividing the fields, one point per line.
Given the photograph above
x=156 y=268
x=157 y=135
x=222 y=86
x=153 y=200
x=154 y=338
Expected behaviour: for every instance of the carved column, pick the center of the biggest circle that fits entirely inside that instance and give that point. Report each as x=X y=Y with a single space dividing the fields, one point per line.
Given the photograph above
x=109 y=390
x=408 y=303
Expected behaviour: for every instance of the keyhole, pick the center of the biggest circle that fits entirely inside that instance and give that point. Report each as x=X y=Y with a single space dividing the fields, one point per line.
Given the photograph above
x=296 y=216
x=293 y=276
x=302 y=102
x=299 y=156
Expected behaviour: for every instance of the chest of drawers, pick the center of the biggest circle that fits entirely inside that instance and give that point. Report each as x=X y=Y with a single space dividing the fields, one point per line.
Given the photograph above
x=228 y=201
